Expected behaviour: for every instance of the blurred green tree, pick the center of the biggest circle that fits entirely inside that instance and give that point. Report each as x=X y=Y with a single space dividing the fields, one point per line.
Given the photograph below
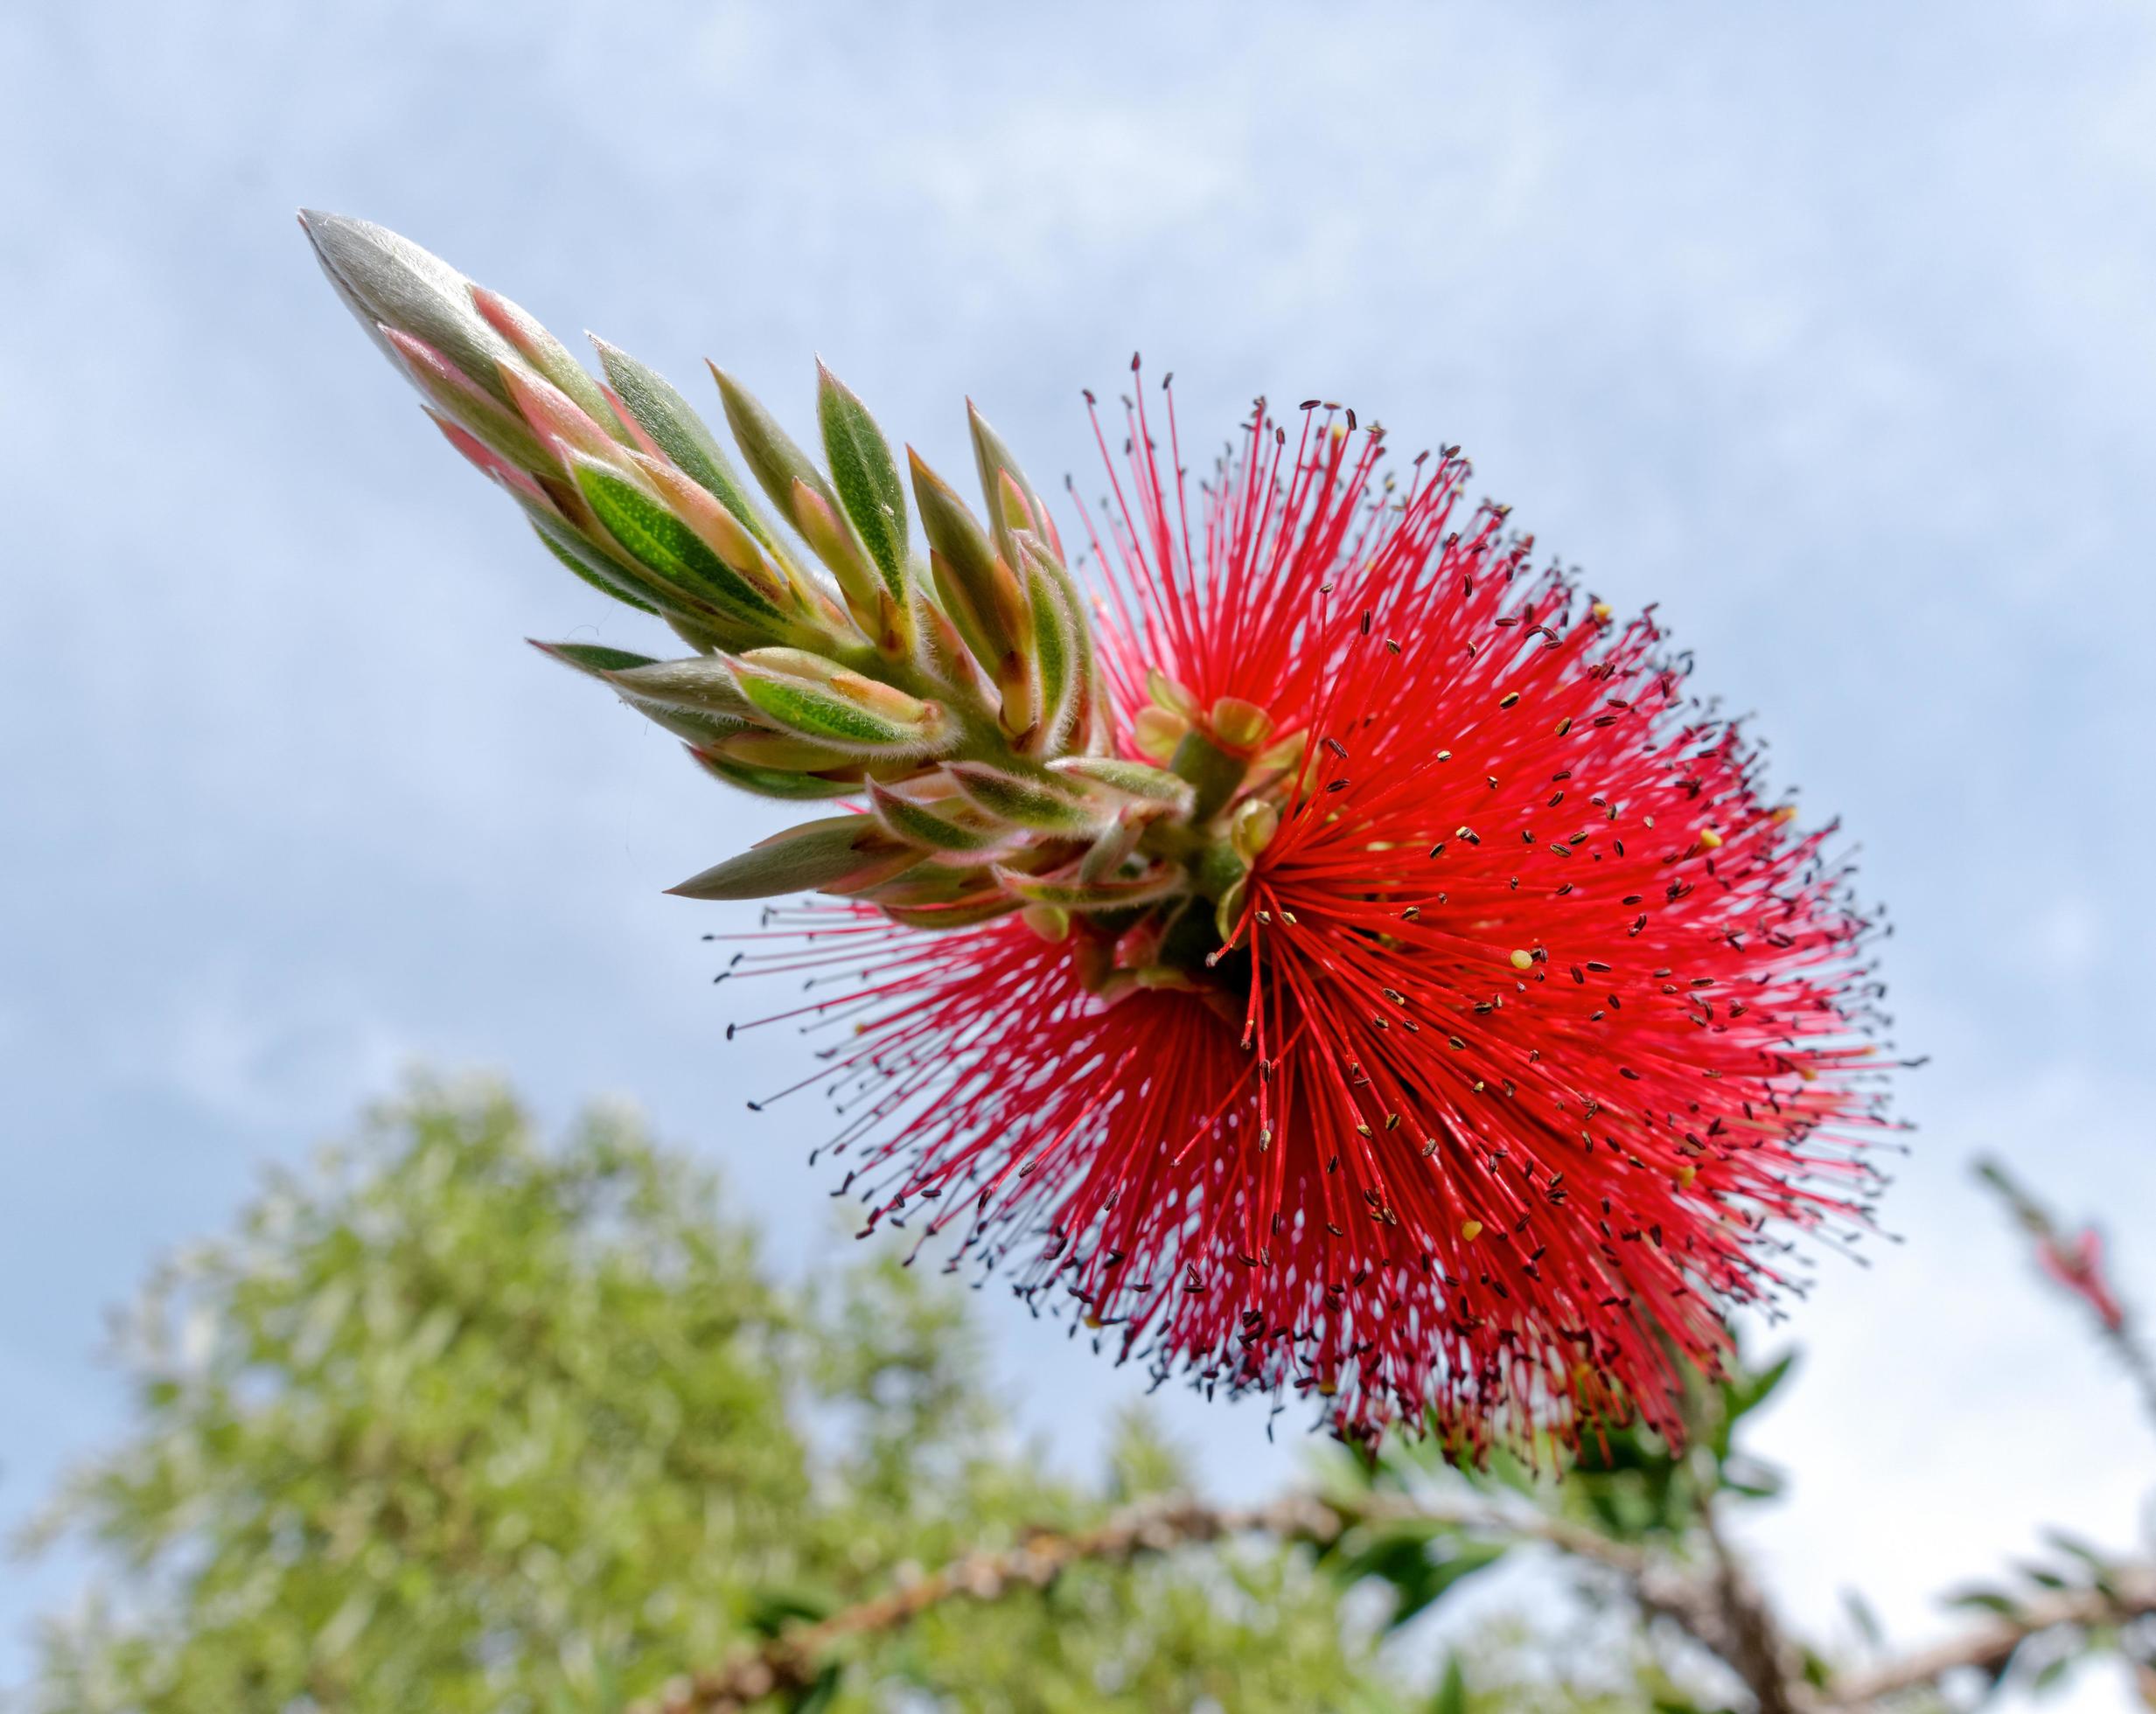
x=458 y=1421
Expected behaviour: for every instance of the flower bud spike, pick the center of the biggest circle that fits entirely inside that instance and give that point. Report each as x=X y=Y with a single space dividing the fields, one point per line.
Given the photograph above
x=1240 y=725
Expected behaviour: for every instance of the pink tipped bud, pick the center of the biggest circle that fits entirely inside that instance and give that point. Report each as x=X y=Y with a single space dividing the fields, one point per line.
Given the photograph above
x=544 y=352
x=556 y=418
x=457 y=397
x=487 y=460
x=2077 y=1263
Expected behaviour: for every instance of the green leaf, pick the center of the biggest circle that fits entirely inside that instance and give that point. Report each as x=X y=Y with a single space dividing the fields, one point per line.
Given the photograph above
x=918 y=824
x=771 y=1609
x=845 y=850
x=1422 y=1564
x=1452 y=1689
x=773 y=459
x=680 y=434
x=826 y=715
x=866 y=476
x=1138 y=781
x=821 y=1695
x=1055 y=648
x=1043 y=802
x=666 y=547
x=697 y=681
x=965 y=566
x=773 y=782
x=594 y=659
x=1163 y=882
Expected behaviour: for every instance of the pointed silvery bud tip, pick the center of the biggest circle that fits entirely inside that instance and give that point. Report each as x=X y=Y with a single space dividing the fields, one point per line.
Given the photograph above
x=385 y=278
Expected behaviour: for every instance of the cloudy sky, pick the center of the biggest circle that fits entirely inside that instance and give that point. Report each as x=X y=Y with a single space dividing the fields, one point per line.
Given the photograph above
x=1829 y=327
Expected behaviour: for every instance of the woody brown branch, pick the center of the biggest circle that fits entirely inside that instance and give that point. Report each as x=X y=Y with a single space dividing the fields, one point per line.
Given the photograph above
x=1720 y=1610
x=1987 y=1648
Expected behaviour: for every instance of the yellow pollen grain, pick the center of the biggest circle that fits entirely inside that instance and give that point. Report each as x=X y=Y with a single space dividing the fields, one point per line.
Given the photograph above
x=1470 y=1229
x=1523 y=959
x=1684 y=1176
x=1785 y=813
x=1709 y=838
x=1603 y=610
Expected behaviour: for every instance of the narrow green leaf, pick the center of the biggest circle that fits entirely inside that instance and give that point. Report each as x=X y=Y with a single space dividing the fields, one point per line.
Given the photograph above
x=824 y=855
x=1452 y=1689
x=918 y=824
x=1163 y=883
x=822 y=712
x=698 y=681
x=773 y=782
x=1138 y=781
x=960 y=914
x=593 y=658
x=670 y=549
x=680 y=433
x=773 y=458
x=1042 y=803
x=866 y=476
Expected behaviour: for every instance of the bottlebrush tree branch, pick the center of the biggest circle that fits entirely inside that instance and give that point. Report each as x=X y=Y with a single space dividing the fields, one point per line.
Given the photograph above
x=1717 y=1606
x=2127 y=1593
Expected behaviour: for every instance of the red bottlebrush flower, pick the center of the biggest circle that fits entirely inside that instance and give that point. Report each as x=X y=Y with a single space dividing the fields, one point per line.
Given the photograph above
x=1351 y=966
x=1483 y=1090
x=2077 y=1263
